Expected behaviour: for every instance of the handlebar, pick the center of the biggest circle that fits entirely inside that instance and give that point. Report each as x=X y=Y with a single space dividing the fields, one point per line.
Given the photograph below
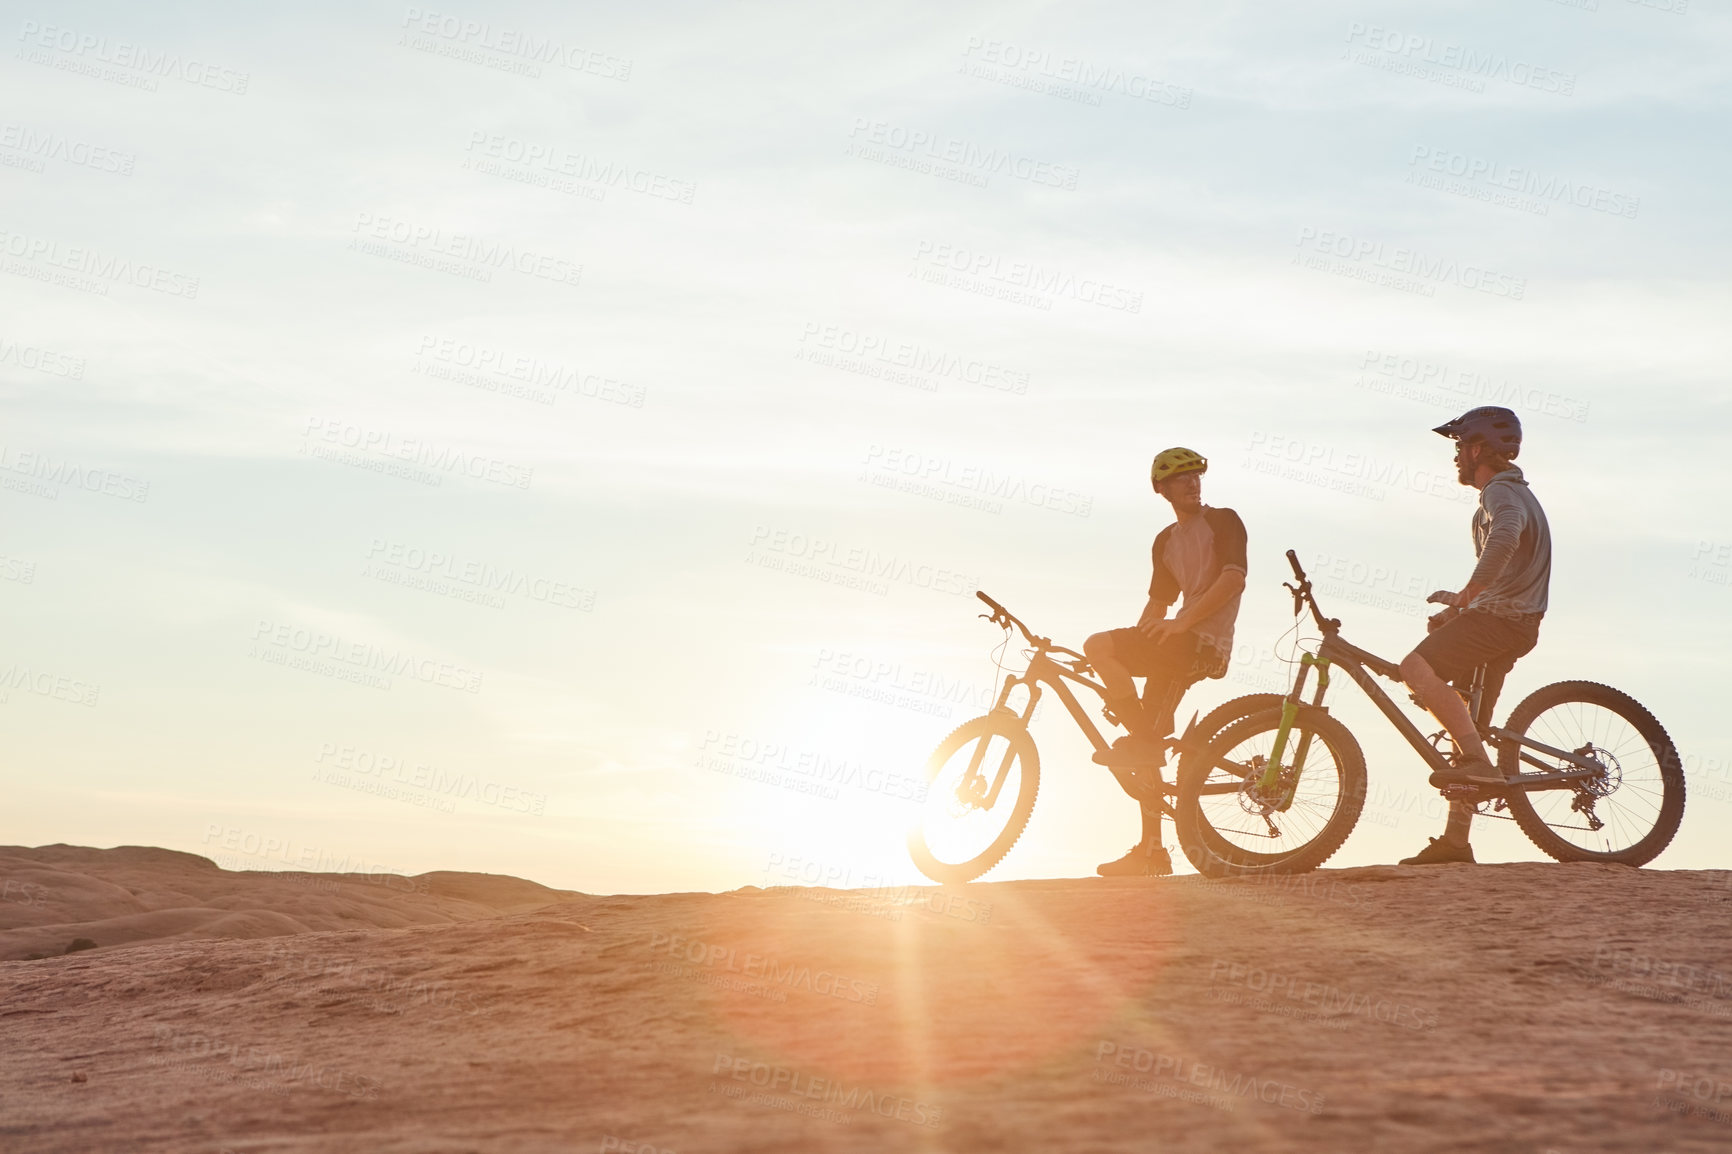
x=1005 y=618
x=1302 y=596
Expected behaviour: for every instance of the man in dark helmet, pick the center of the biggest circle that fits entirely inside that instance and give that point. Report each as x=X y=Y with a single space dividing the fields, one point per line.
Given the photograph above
x=1493 y=620
x=1201 y=557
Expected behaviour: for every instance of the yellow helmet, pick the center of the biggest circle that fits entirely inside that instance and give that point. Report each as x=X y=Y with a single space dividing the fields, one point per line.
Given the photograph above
x=1174 y=462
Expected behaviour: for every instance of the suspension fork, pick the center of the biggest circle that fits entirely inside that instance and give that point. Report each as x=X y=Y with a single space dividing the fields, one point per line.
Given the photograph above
x=974 y=760
x=1290 y=714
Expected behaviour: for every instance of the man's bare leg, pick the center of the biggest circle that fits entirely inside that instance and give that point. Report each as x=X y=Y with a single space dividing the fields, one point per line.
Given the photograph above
x=1447 y=706
x=1444 y=703
x=1117 y=679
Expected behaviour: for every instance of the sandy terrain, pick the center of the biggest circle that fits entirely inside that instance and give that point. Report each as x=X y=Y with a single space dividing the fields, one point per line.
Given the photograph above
x=1509 y=1007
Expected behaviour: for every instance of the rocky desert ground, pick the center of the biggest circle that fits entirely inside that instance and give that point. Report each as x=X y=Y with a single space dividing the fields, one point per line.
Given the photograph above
x=1519 y=1007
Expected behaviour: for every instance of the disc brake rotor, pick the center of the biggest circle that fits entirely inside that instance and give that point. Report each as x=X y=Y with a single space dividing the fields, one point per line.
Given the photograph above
x=1611 y=772
x=1252 y=799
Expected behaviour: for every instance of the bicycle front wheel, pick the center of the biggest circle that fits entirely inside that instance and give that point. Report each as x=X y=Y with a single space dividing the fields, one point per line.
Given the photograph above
x=1631 y=810
x=1230 y=825
x=981 y=782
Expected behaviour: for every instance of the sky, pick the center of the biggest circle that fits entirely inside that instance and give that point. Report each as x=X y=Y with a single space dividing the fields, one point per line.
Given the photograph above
x=508 y=438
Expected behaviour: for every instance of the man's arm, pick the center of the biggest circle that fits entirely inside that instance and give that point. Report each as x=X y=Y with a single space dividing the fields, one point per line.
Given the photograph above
x=1227 y=586
x=1508 y=519
x=1154 y=621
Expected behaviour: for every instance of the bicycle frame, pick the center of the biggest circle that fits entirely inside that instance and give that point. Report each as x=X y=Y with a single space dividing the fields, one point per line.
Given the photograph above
x=1359 y=665
x=1044 y=670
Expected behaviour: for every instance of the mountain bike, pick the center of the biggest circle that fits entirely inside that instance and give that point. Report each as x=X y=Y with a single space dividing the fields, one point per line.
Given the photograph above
x=983 y=778
x=1278 y=784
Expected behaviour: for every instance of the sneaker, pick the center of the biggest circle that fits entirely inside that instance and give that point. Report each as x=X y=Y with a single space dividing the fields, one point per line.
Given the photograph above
x=1133 y=750
x=1468 y=771
x=1441 y=852
x=1149 y=861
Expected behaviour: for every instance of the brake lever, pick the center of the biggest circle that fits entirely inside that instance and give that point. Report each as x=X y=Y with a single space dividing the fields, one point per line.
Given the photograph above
x=1298 y=599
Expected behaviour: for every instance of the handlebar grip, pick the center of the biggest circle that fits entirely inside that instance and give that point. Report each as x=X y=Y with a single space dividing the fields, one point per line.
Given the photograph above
x=1293 y=560
x=982 y=595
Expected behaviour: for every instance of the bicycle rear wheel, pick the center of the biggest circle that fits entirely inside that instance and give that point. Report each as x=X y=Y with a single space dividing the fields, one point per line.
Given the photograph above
x=1626 y=815
x=1229 y=827
x=981 y=785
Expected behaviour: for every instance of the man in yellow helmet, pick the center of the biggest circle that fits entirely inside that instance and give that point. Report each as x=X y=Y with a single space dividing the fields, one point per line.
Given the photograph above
x=1200 y=557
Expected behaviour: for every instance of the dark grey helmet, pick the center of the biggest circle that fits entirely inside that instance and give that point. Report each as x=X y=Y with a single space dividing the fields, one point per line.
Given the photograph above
x=1493 y=424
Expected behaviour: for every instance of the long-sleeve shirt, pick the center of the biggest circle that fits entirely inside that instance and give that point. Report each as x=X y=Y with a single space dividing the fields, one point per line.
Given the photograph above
x=1514 y=546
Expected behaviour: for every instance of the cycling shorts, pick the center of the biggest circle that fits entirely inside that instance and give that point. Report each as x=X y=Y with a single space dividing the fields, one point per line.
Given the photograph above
x=1475 y=637
x=1171 y=666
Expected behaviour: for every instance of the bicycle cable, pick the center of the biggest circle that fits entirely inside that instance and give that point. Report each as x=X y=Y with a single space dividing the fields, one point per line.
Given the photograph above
x=998 y=662
x=1298 y=643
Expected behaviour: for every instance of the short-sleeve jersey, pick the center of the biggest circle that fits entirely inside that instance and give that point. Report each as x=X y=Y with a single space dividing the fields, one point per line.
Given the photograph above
x=1189 y=556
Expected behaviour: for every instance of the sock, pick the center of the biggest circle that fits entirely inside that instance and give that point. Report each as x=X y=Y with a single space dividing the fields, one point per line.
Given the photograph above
x=1130 y=713
x=1151 y=829
x=1455 y=829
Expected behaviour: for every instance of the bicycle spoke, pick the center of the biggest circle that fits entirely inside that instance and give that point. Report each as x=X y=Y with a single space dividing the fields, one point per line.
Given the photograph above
x=1633 y=793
